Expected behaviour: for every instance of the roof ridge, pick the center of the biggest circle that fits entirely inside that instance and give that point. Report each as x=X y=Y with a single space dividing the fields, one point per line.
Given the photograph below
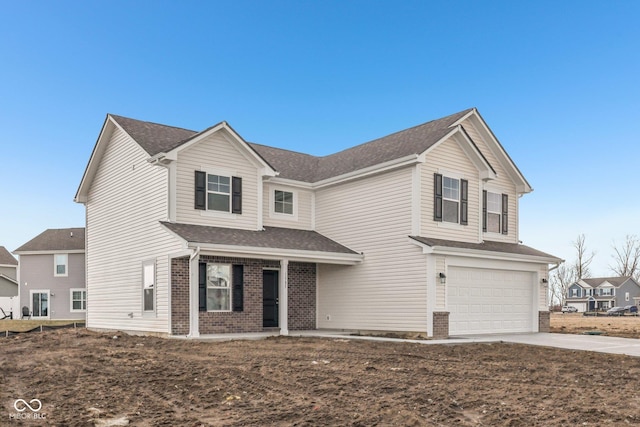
x=154 y=123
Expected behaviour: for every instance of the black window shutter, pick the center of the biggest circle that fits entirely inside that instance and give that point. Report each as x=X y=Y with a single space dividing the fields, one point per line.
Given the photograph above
x=238 y=287
x=484 y=210
x=202 y=286
x=464 y=201
x=236 y=195
x=200 y=200
x=437 y=197
x=505 y=214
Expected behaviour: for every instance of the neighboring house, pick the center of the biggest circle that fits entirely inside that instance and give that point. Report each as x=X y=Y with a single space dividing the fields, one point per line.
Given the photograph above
x=8 y=274
x=192 y=233
x=52 y=274
x=601 y=293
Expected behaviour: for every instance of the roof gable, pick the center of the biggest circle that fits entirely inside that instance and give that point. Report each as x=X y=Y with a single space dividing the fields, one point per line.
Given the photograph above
x=58 y=239
x=6 y=258
x=596 y=282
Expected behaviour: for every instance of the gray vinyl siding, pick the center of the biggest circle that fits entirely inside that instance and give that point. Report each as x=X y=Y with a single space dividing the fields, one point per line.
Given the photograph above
x=7 y=288
x=127 y=199
x=36 y=272
x=388 y=290
x=628 y=286
x=9 y=271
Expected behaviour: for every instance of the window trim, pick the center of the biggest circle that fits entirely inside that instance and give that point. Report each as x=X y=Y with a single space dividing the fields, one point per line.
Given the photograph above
x=229 y=288
x=456 y=201
x=84 y=299
x=498 y=212
x=154 y=286
x=272 y=204
x=66 y=265
x=40 y=291
x=207 y=192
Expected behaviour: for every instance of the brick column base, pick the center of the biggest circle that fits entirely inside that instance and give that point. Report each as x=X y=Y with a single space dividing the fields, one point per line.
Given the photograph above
x=440 y=324
x=544 y=321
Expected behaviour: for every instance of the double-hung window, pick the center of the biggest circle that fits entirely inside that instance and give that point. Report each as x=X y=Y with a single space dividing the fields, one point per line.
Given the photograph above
x=218 y=192
x=78 y=299
x=450 y=199
x=283 y=202
x=495 y=212
x=148 y=286
x=218 y=287
x=61 y=265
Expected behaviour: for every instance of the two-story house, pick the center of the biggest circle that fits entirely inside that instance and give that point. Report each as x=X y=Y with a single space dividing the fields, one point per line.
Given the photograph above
x=52 y=274
x=195 y=233
x=8 y=274
x=601 y=293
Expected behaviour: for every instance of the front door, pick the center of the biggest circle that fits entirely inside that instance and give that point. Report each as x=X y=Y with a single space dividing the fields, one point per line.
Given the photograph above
x=270 y=298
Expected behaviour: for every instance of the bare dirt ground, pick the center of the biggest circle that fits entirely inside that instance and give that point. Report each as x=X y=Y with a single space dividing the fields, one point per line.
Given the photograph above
x=84 y=378
x=615 y=326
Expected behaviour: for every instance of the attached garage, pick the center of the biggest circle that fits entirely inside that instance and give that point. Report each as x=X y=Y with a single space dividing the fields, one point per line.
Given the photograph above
x=483 y=301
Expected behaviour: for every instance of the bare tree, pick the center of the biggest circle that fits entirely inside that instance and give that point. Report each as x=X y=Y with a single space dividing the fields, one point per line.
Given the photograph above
x=627 y=258
x=560 y=280
x=583 y=259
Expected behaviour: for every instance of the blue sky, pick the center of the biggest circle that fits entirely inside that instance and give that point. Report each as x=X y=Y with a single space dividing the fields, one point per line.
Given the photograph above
x=557 y=81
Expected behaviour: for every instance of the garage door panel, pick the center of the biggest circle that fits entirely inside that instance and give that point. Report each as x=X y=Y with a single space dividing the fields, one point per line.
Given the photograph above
x=489 y=301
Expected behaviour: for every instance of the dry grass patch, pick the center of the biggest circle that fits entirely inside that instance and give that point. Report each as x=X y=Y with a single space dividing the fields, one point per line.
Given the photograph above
x=576 y=323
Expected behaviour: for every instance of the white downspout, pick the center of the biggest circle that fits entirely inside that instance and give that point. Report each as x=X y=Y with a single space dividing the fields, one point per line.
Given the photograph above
x=283 y=297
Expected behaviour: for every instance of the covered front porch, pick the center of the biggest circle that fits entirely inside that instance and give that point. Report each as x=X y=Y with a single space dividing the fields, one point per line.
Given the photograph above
x=248 y=282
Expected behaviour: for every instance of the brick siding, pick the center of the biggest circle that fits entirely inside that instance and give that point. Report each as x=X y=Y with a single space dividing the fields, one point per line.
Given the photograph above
x=440 y=324
x=302 y=298
x=544 y=321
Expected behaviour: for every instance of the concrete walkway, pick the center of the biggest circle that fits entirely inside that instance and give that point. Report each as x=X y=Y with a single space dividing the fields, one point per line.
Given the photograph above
x=598 y=343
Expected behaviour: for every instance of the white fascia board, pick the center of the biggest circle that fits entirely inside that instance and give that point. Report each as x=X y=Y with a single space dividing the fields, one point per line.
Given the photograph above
x=474 y=253
x=56 y=251
x=10 y=279
x=474 y=154
x=371 y=170
x=94 y=160
x=289 y=182
x=276 y=254
x=522 y=186
x=9 y=265
x=247 y=151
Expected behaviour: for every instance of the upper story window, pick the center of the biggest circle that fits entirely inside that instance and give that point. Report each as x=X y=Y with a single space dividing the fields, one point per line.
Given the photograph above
x=495 y=212
x=450 y=199
x=61 y=265
x=575 y=292
x=606 y=291
x=283 y=202
x=219 y=193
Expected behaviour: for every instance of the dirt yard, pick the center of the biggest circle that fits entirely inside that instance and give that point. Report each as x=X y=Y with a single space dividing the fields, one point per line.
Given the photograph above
x=615 y=326
x=84 y=378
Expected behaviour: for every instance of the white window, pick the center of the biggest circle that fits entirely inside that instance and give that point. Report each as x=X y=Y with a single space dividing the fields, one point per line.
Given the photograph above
x=626 y=296
x=78 y=299
x=283 y=202
x=218 y=287
x=574 y=292
x=450 y=199
x=606 y=292
x=61 y=265
x=148 y=286
x=219 y=193
x=494 y=212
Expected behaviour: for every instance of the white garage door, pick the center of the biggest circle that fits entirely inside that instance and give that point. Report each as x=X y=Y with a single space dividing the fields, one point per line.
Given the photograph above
x=485 y=301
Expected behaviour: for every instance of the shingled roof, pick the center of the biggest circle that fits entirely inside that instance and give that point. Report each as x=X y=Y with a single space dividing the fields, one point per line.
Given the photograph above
x=269 y=237
x=488 y=246
x=6 y=258
x=55 y=239
x=594 y=282
x=156 y=138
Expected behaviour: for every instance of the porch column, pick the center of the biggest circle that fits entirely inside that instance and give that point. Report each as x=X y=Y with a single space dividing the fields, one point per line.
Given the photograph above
x=194 y=322
x=283 y=297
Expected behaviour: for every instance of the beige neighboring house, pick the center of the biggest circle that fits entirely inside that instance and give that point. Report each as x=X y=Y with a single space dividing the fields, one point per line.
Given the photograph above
x=52 y=275
x=197 y=233
x=8 y=274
